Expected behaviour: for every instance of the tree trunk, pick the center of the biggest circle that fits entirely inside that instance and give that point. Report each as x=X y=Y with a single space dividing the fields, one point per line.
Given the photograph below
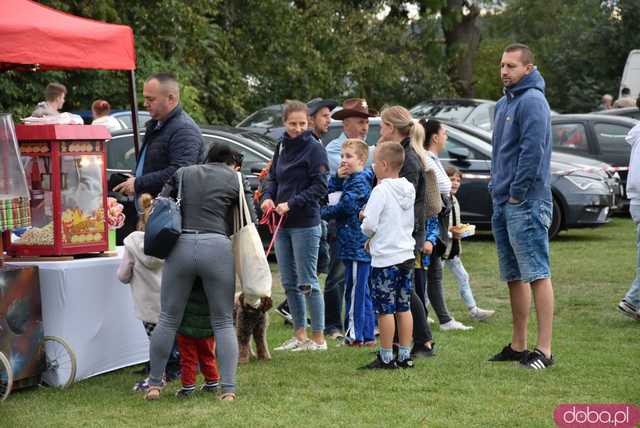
x=462 y=38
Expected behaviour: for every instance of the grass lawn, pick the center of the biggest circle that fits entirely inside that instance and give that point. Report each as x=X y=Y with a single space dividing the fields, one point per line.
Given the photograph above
x=596 y=349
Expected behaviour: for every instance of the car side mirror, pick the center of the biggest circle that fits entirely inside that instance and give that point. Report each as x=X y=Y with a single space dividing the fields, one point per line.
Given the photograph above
x=257 y=167
x=460 y=153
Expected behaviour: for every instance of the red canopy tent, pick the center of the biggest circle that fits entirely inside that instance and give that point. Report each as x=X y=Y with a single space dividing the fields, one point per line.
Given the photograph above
x=36 y=37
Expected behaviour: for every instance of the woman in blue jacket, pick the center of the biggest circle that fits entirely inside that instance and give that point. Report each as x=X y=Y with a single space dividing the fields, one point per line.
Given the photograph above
x=297 y=182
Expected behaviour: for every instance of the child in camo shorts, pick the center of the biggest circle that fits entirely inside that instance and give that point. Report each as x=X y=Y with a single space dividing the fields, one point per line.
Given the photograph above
x=388 y=222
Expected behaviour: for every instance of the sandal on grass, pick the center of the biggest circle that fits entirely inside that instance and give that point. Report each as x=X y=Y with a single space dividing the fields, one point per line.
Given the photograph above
x=153 y=393
x=227 y=396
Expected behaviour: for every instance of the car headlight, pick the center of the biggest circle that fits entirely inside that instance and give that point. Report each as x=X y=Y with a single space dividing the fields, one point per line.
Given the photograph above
x=585 y=183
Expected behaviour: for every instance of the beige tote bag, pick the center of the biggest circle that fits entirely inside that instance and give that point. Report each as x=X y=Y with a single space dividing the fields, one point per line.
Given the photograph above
x=253 y=275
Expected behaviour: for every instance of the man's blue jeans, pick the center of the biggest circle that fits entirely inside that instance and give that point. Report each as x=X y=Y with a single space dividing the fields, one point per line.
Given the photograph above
x=521 y=233
x=297 y=253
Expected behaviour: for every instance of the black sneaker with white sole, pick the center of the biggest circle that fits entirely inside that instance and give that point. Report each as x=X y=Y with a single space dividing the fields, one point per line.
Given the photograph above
x=405 y=364
x=283 y=311
x=379 y=364
x=536 y=360
x=508 y=354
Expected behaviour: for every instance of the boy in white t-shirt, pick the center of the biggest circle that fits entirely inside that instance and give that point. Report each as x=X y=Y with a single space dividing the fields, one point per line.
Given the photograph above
x=388 y=222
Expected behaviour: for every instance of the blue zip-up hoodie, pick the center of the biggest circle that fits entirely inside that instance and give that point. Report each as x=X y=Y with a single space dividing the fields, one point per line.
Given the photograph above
x=522 y=143
x=355 y=193
x=299 y=177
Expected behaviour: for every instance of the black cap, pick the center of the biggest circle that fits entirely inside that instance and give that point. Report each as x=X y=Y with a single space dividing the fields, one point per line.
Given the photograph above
x=318 y=103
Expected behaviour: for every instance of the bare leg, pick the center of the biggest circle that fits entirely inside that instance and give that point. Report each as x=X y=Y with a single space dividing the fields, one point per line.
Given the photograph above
x=318 y=337
x=543 y=297
x=520 y=296
x=301 y=334
x=387 y=326
x=405 y=328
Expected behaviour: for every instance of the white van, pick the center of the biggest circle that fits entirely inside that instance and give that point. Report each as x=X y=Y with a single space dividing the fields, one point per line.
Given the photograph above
x=631 y=74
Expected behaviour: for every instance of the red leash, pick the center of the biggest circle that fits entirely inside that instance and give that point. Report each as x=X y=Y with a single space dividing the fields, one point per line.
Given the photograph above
x=269 y=218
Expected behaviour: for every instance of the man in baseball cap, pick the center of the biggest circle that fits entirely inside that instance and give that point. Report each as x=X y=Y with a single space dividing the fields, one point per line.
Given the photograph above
x=320 y=115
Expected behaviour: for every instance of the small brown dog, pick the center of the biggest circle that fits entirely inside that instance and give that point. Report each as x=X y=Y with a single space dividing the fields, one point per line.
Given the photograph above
x=249 y=322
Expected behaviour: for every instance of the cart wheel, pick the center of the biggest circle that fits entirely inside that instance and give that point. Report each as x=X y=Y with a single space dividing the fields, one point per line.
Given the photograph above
x=60 y=369
x=6 y=377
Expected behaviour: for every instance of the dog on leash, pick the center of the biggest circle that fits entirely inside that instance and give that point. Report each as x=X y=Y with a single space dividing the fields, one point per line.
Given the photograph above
x=252 y=321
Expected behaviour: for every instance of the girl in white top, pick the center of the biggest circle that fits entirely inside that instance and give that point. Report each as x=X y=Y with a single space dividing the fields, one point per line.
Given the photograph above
x=100 y=110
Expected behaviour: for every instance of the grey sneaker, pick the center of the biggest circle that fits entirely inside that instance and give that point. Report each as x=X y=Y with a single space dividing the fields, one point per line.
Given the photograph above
x=478 y=314
x=288 y=345
x=629 y=309
x=310 y=345
x=454 y=325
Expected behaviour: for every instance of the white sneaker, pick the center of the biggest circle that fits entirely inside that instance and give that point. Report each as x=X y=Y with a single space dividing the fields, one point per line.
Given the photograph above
x=288 y=345
x=310 y=345
x=454 y=325
x=478 y=314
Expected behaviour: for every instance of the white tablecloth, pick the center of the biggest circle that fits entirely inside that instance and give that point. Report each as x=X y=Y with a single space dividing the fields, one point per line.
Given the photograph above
x=84 y=303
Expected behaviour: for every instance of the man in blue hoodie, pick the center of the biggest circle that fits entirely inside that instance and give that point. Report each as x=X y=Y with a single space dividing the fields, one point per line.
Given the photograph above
x=522 y=203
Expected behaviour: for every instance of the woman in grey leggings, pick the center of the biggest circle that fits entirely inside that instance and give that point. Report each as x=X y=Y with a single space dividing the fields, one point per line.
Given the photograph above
x=210 y=193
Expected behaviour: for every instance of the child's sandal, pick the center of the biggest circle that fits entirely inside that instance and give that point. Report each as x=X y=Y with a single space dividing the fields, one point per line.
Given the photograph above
x=153 y=393
x=227 y=396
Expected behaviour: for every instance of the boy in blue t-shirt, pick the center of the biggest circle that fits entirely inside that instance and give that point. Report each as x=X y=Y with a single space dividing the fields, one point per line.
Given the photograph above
x=355 y=187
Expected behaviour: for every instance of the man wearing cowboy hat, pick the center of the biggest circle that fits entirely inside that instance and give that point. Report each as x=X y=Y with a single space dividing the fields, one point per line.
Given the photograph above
x=355 y=124
x=320 y=115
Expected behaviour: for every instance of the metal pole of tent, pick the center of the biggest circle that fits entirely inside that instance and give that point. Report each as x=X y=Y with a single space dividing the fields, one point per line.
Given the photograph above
x=133 y=100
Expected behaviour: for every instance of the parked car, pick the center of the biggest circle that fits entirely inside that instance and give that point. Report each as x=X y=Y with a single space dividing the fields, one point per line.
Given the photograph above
x=267 y=117
x=475 y=112
x=632 y=112
x=123 y=116
x=257 y=151
x=596 y=136
x=582 y=196
x=573 y=162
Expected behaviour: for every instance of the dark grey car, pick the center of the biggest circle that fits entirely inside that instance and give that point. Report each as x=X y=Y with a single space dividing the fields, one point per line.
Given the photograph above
x=596 y=136
x=583 y=193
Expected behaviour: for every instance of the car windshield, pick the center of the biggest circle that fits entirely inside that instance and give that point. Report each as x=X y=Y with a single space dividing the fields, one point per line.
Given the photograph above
x=269 y=117
x=470 y=141
x=443 y=111
x=260 y=139
x=125 y=118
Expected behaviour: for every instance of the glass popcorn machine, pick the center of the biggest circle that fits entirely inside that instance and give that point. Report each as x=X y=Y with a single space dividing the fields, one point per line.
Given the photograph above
x=65 y=166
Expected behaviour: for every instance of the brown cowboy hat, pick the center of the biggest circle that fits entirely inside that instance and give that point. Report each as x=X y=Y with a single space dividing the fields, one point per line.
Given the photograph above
x=353 y=107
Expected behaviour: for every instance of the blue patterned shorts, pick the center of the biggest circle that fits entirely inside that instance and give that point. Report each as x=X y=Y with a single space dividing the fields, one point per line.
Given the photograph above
x=391 y=287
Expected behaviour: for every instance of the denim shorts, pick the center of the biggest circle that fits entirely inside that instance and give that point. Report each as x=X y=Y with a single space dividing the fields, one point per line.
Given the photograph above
x=521 y=232
x=391 y=289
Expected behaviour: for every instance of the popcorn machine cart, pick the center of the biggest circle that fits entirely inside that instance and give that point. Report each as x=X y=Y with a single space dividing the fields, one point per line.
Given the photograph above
x=65 y=167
